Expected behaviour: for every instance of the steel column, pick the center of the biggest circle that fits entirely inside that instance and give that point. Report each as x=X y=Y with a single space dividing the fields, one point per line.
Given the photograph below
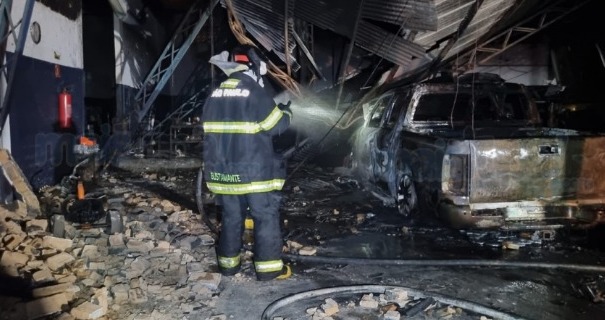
x=8 y=70
x=171 y=56
x=349 y=53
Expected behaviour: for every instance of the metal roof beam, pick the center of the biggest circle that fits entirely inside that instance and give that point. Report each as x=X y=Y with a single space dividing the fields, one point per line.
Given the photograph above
x=9 y=69
x=515 y=34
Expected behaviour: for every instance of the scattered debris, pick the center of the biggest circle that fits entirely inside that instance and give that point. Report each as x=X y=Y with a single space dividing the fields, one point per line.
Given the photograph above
x=91 y=271
x=307 y=251
x=591 y=288
x=510 y=245
x=393 y=304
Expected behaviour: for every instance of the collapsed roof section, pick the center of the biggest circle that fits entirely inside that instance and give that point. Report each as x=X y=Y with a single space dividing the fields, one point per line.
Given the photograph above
x=398 y=31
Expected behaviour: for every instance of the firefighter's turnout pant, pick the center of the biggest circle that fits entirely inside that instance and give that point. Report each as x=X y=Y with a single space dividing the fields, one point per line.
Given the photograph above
x=264 y=209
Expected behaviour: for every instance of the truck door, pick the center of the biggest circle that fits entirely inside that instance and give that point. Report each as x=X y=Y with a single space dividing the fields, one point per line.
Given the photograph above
x=371 y=135
x=388 y=137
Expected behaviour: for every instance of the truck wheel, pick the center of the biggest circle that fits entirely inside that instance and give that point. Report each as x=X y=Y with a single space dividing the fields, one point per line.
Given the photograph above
x=407 y=198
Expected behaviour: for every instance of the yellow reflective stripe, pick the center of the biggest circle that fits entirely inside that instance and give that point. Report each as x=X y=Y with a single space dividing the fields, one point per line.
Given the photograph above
x=230 y=83
x=245 y=127
x=228 y=262
x=268 y=266
x=243 y=188
x=272 y=119
x=231 y=127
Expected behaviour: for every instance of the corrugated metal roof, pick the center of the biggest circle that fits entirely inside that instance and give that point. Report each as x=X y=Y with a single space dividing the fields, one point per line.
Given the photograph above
x=448 y=22
x=443 y=7
x=486 y=18
x=371 y=37
x=435 y=20
x=450 y=15
x=328 y=15
x=387 y=45
x=264 y=19
x=266 y=26
x=412 y=14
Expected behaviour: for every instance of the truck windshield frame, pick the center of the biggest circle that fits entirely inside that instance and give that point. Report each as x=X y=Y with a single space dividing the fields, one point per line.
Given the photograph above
x=497 y=108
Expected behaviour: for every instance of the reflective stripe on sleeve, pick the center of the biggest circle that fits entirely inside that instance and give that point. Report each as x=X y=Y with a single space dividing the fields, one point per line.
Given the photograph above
x=230 y=83
x=272 y=119
x=245 y=127
x=228 y=262
x=244 y=188
x=268 y=266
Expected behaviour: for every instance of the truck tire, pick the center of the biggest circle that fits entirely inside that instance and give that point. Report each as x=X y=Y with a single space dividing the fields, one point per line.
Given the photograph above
x=406 y=197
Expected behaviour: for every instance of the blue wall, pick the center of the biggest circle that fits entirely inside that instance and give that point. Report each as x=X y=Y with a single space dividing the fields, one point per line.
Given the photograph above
x=44 y=152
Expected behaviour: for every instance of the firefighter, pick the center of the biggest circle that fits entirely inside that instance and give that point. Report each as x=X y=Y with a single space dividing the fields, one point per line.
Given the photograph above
x=239 y=120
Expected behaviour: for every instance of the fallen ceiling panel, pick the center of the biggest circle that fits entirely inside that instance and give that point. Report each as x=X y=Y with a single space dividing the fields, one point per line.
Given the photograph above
x=397 y=31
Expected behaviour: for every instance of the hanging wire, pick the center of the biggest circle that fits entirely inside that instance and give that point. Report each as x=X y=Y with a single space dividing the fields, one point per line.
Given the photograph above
x=401 y=27
x=276 y=73
x=212 y=71
x=352 y=119
x=286 y=39
x=472 y=62
x=351 y=107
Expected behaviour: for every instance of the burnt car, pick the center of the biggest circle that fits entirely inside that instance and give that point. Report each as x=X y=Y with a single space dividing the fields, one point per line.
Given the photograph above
x=471 y=150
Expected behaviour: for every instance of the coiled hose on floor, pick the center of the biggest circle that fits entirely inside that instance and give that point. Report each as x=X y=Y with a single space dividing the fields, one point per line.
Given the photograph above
x=272 y=310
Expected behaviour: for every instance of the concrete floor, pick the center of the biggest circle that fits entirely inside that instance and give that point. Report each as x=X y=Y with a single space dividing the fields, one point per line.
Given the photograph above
x=326 y=210
x=321 y=209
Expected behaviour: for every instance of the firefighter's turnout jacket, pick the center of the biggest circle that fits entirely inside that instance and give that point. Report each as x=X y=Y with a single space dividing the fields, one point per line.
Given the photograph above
x=239 y=120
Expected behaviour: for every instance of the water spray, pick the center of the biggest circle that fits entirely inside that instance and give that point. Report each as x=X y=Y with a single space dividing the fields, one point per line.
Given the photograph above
x=313 y=118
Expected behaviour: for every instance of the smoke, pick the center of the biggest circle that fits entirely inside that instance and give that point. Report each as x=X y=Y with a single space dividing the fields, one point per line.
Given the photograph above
x=311 y=117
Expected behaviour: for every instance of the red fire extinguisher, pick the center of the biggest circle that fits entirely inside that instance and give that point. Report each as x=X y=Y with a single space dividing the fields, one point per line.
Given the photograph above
x=65 y=109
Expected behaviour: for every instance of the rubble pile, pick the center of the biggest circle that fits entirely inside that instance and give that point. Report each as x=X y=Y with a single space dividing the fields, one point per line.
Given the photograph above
x=162 y=266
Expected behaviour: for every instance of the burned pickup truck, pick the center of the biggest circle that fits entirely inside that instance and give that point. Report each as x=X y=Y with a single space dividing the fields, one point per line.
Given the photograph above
x=471 y=150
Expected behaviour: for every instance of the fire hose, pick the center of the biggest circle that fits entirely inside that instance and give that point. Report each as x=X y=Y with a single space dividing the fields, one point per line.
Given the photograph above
x=272 y=310
x=446 y=263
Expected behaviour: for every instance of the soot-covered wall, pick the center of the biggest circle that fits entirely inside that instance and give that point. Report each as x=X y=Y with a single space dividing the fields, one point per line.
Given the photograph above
x=42 y=150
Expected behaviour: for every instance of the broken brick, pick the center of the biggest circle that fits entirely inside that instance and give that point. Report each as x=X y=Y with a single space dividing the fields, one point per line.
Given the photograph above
x=45 y=306
x=36 y=225
x=307 y=251
x=42 y=276
x=87 y=310
x=367 y=301
x=330 y=307
x=52 y=290
x=12 y=241
x=59 y=261
x=137 y=296
x=13 y=259
x=392 y=315
x=207 y=279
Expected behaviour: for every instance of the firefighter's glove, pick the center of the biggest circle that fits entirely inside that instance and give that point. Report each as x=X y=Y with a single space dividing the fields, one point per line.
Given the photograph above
x=285 y=108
